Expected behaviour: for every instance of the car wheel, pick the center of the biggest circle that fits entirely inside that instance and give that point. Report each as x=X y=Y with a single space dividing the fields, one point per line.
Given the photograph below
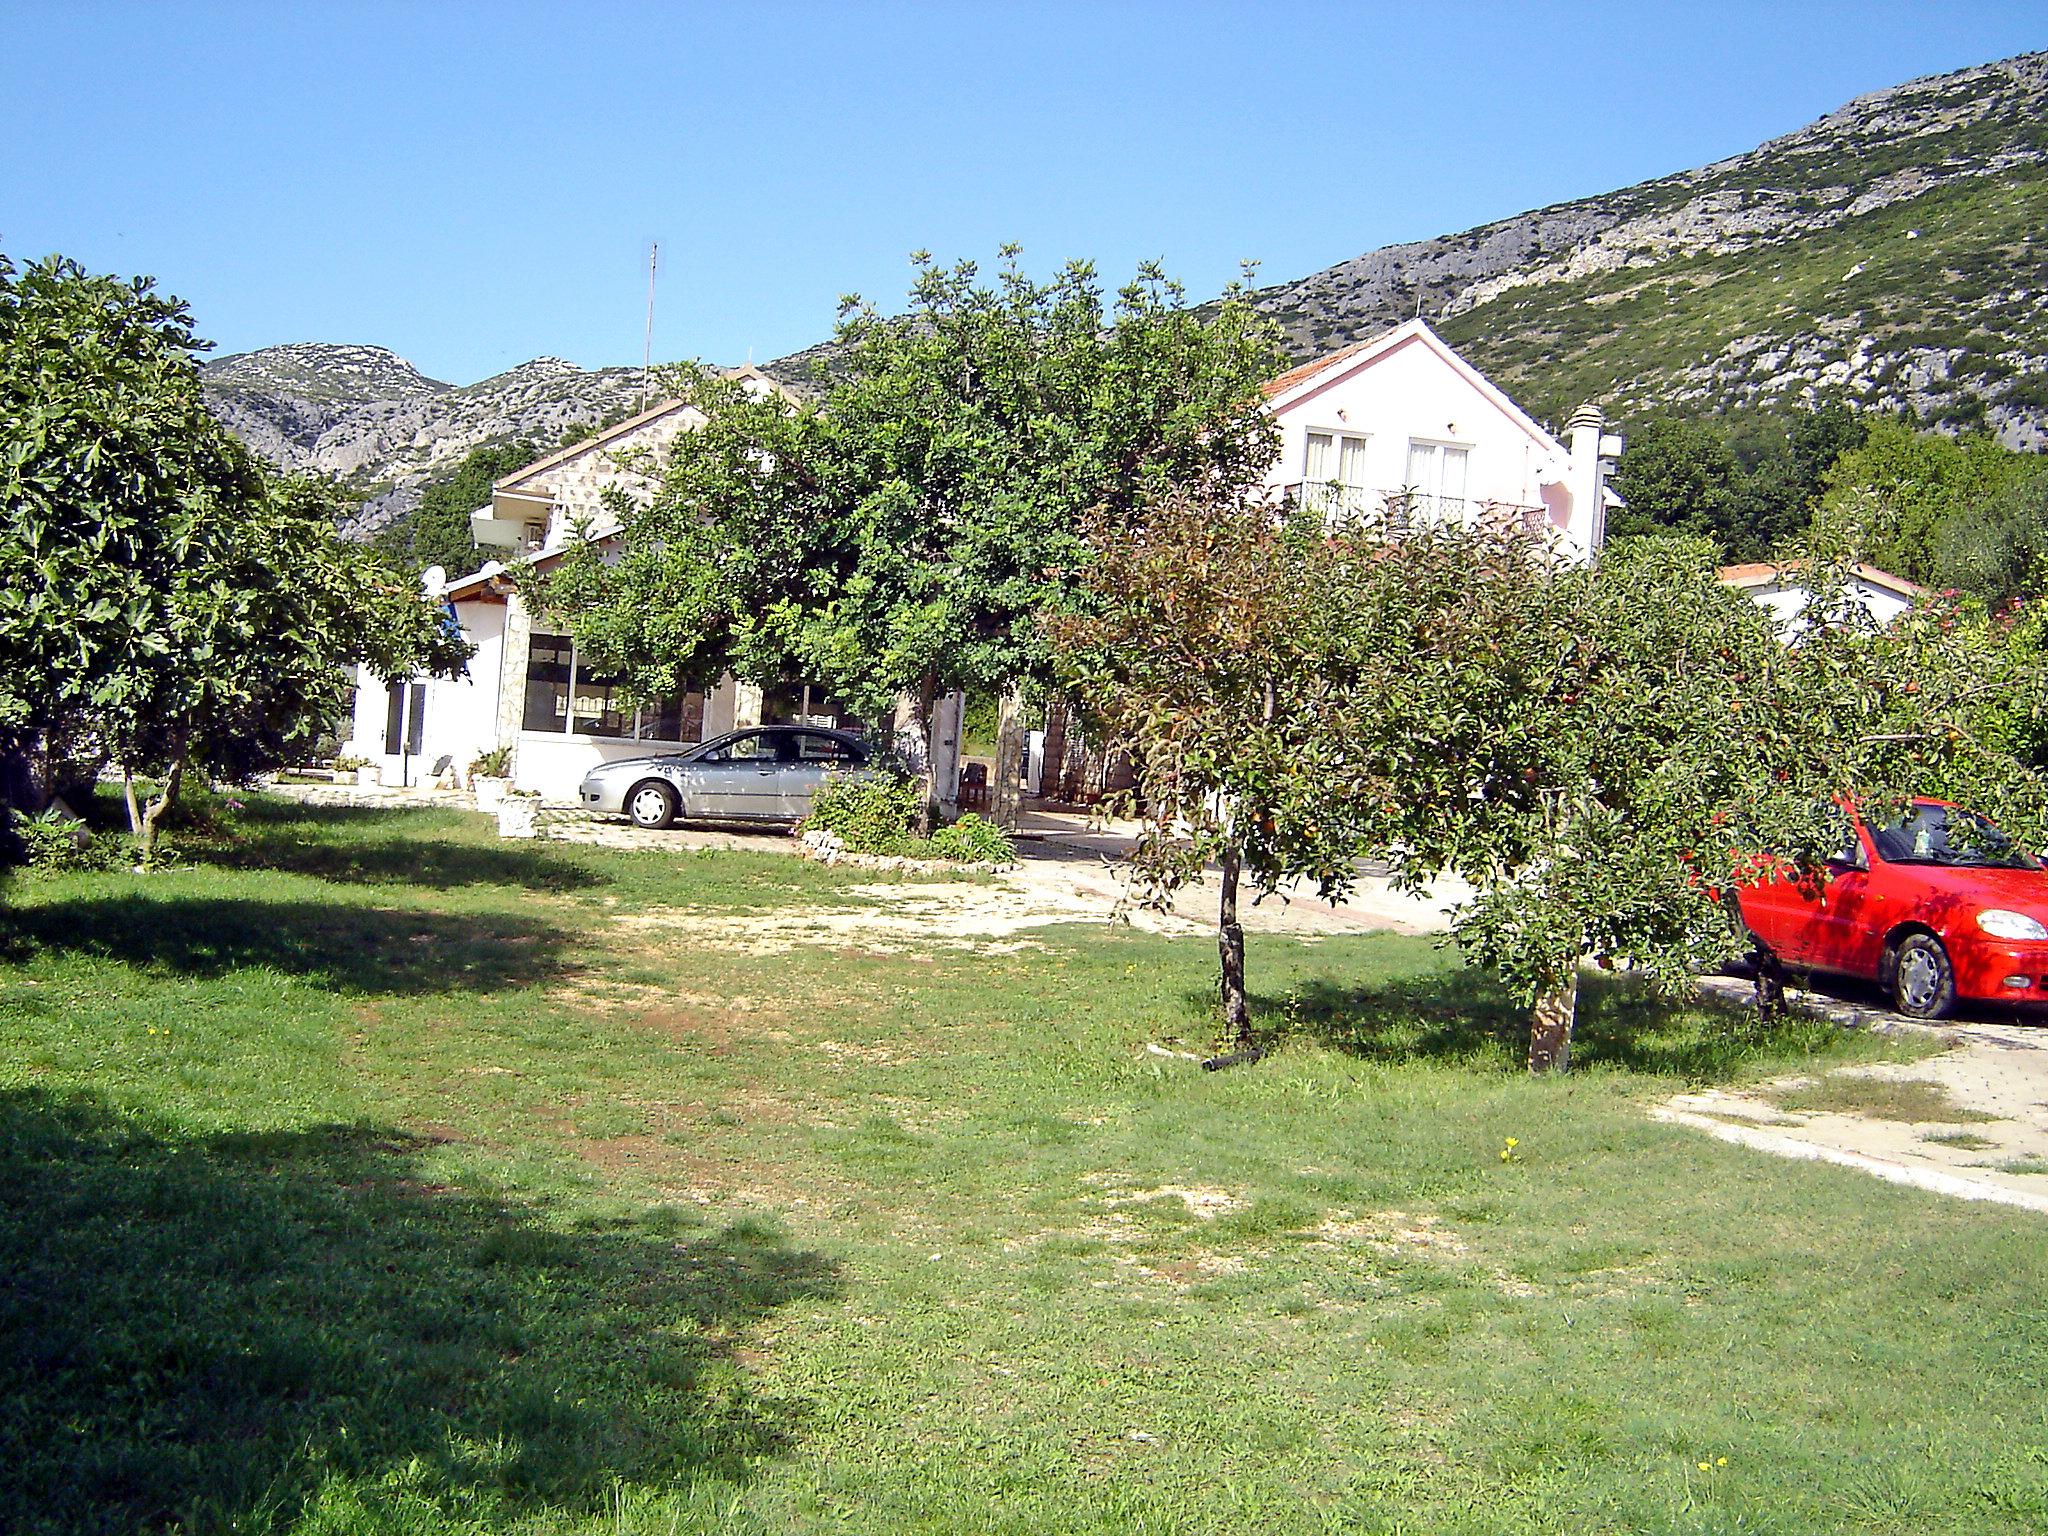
x=1923 y=981
x=651 y=805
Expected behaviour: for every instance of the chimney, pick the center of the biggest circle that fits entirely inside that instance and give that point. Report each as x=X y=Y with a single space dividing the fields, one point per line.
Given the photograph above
x=1593 y=451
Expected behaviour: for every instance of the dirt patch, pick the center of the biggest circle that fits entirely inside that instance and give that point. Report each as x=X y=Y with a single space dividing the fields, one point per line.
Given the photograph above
x=1898 y=1121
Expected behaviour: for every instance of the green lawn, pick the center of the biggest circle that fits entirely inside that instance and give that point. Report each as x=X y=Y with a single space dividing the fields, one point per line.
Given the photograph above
x=365 y=1174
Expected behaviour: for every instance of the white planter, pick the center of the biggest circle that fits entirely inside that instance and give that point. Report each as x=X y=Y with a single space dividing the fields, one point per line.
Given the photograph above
x=518 y=816
x=369 y=776
x=490 y=792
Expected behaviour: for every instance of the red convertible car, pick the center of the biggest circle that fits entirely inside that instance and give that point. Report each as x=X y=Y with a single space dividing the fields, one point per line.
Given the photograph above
x=1938 y=907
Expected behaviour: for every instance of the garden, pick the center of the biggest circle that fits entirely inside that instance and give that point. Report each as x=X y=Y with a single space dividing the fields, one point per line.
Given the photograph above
x=361 y=1172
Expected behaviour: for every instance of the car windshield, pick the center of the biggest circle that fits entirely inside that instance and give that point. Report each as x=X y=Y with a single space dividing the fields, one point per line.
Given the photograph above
x=1936 y=834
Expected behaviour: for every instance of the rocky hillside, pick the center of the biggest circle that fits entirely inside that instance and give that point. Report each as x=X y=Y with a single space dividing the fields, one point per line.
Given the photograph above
x=368 y=417
x=1891 y=251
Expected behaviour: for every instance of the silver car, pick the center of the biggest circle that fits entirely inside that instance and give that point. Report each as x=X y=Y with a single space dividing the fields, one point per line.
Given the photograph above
x=766 y=773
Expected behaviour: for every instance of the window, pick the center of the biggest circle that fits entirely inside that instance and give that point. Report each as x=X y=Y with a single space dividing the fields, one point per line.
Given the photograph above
x=750 y=748
x=1333 y=475
x=1436 y=479
x=536 y=534
x=550 y=663
x=825 y=749
x=561 y=696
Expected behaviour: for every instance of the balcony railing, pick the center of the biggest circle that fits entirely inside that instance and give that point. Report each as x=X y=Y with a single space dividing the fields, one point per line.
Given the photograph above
x=1401 y=510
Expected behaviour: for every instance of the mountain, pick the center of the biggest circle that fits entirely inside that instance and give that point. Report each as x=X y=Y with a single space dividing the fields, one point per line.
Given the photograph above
x=366 y=416
x=1891 y=252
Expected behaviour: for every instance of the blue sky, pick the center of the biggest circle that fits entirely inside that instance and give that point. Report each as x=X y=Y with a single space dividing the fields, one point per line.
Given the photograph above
x=475 y=185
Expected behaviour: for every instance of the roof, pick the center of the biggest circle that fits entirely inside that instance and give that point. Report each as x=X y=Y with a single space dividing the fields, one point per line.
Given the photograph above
x=488 y=583
x=1770 y=573
x=624 y=428
x=1324 y=371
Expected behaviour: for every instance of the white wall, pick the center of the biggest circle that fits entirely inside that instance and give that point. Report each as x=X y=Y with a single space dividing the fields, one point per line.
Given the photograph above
x=1411 y=392
x=460 y=712
x=1787 y=601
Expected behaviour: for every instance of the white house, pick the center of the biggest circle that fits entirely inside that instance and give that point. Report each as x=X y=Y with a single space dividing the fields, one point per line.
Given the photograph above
x=1399 y=421
x=526 y=689
x=1778 y=588
x=1403 y=424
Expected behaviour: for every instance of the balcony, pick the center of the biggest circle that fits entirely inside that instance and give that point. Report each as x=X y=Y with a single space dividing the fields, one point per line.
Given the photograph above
x=1400 y=510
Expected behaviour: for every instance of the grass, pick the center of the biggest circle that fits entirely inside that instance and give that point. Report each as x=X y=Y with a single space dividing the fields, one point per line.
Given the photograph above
x=364 y=1174
x=1967 y=1141
x=1913 y=1100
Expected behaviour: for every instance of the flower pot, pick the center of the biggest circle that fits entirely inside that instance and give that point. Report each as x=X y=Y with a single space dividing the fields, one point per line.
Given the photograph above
x=518 y=816
x=490 y=791
x=369 y=776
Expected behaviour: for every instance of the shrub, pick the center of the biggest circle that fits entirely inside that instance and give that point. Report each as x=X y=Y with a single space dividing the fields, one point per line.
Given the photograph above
x=52 y=843
x=874 y=815
x=973 y=840
x=494 y=764
x=200 y=807
x=869 y=815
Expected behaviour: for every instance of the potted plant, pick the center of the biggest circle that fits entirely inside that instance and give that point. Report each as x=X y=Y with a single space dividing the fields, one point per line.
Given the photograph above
x=519 y=813
x=367 y=773
x=489 y=777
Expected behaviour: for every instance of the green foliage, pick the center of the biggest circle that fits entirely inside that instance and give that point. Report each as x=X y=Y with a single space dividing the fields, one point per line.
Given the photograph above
x=159 y=593
x=878 y=814
x=973 y=840
x=1748 y=482
x=871 y=814
x=1947 y=512
x=1601 y=752
x=494 y=764
x=50 y=842
x=904 y=532
x=436 y=532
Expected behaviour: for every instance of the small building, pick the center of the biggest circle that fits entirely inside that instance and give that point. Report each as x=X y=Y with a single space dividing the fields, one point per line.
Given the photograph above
x=526 y=688
x=1778 y=588
x=1404 y=427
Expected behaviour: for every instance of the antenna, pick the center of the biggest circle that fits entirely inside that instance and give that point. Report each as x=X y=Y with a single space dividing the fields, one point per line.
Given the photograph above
x=647 y=346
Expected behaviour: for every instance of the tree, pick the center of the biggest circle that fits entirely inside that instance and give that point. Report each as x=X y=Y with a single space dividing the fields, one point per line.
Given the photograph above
x=436 y=532
x=161 y=598
x=1604 y=753
x=1750 y=482
x=1211 y=649
x=1917 y=503
x=901 y=534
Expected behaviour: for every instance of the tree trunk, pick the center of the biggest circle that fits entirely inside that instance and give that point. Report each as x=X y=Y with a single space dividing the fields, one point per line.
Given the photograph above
x=928 y=780
x=1550 y=1032
x=128 y=793
x=166 y=797
x=1006 y=795
x=1769 y=995
x=1237 y=1017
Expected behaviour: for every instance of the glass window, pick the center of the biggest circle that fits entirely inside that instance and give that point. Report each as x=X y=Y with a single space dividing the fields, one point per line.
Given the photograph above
x=1333 y=474
x=1436 y=478
x=673 y=719
x=825 y=749
x=750 y=748
x=595 y=709
x=1934 y=834
x=549 y=661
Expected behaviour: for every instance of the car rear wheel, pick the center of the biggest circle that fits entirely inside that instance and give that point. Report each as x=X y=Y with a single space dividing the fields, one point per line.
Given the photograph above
x=1923 y=980
x=651 y=805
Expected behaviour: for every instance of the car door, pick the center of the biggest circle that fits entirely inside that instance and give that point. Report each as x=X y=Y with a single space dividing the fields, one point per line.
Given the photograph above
x=813 y=757
x=1846 y=928
x=739 y=778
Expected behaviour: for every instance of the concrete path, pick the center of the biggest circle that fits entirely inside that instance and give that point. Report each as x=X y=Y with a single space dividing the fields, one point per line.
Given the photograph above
x=1991 y=1143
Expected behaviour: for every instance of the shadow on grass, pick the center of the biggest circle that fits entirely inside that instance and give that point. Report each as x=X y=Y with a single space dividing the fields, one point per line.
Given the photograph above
x=359 y=845
x=238 y=1332
x=1466 y=1017
x=341 y=946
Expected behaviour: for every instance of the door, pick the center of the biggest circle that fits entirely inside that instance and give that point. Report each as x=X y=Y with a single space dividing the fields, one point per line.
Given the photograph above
x=812 y=758
x=741 y=778
x=1818 y=922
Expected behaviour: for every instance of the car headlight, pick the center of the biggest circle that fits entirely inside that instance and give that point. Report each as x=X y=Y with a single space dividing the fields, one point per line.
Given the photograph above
x=2001 y=924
